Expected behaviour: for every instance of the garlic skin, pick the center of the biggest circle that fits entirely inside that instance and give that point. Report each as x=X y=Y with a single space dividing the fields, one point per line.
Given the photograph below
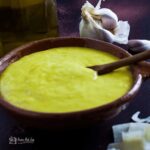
x=138 y=45
x=102 y=23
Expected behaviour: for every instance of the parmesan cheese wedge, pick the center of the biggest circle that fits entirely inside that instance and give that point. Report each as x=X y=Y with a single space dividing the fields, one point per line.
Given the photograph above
x=131 y=136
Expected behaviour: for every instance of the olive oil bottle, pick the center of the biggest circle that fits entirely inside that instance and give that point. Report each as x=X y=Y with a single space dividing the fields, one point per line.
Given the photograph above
x=22 y=21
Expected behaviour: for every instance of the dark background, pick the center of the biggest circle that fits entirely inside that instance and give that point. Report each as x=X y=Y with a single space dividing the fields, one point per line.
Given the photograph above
x=137 y=12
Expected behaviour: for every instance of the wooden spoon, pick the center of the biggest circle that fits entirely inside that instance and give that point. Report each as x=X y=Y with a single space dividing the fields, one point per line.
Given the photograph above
x=106 y=68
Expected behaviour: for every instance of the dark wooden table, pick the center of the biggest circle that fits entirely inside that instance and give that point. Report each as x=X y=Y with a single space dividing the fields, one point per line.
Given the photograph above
x=96 y=137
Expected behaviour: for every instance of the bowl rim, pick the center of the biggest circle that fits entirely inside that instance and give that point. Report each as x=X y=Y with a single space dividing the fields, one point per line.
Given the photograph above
x=29 y=113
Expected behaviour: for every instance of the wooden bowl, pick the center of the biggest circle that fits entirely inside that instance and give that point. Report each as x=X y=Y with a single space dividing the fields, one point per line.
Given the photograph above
x=71 y=119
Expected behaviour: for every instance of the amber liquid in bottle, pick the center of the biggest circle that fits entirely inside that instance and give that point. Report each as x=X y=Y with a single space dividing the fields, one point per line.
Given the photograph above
x=22 y=21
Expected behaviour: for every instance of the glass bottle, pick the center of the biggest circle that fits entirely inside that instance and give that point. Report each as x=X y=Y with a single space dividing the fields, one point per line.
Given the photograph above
x=22 y=21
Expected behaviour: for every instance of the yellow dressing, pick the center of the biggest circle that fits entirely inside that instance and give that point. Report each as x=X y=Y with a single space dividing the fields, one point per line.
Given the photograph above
x=58 y=80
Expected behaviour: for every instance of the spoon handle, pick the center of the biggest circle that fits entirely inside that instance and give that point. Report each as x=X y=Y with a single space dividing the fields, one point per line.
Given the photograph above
x=106 y=68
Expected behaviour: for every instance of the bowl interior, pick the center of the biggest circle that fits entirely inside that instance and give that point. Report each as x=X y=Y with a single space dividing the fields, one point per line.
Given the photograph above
x=63 y=42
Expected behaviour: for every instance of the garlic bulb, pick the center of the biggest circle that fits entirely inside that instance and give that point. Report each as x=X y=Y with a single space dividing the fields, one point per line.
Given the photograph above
x=137 y=45
x=102 y=23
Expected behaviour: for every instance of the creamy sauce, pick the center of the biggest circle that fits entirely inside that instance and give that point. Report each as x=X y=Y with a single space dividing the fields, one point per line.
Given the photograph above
x=58 y=80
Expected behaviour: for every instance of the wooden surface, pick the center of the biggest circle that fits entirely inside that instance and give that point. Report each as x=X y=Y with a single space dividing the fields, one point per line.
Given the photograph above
x=97 y=137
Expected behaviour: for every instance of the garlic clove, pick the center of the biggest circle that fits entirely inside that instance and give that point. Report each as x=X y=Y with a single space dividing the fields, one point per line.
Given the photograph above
x=87 y=30
x=106 y=36
x=104 y=12
x=138 y=45
x=108 y=23
x=92 y=29
x=86 y=7
x=108 y=18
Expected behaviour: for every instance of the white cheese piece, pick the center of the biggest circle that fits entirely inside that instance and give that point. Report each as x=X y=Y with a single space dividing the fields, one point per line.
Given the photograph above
x=117 y=131
x=133 y=140
x=131 y=136
x=138 y=127
x=147 y=133
x=114 y=146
